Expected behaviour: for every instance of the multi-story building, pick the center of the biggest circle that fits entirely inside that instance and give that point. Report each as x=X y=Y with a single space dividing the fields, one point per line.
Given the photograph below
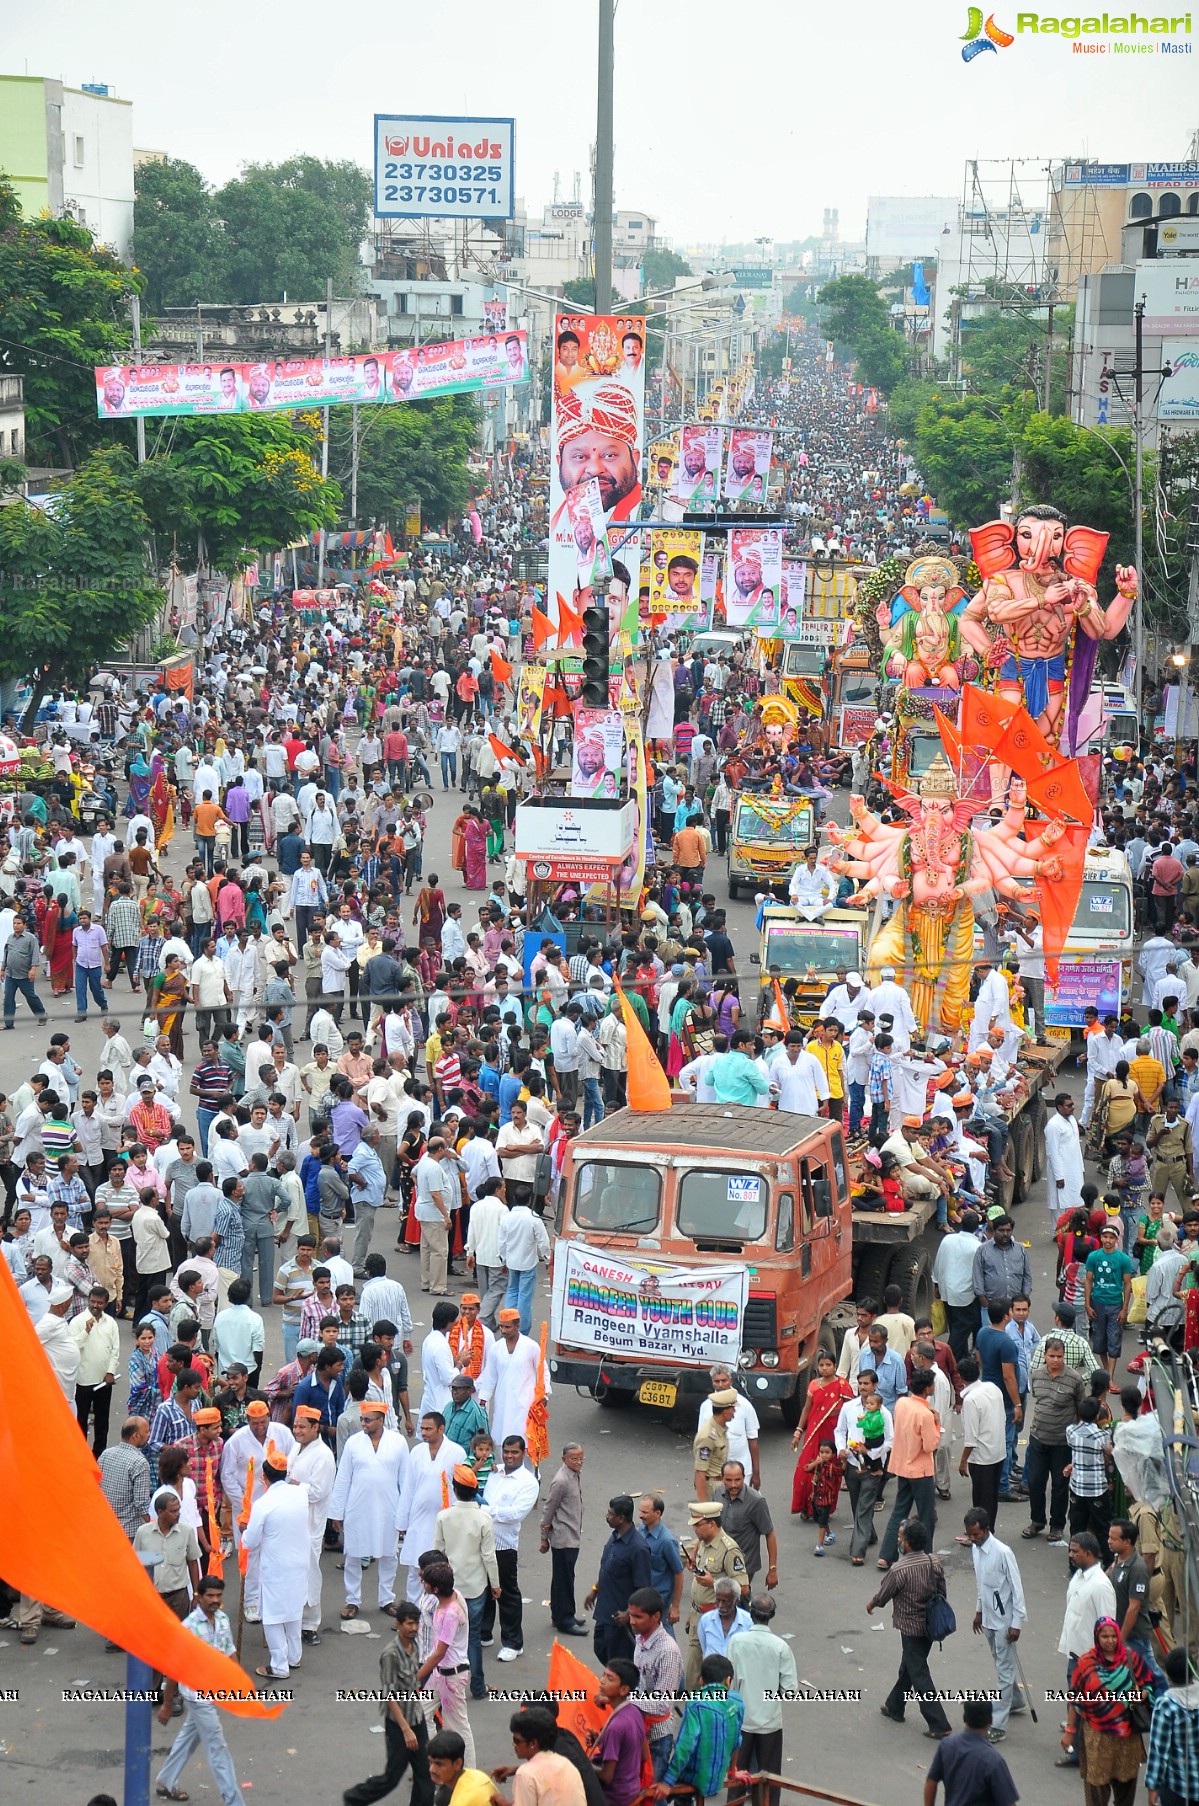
x=70 y=151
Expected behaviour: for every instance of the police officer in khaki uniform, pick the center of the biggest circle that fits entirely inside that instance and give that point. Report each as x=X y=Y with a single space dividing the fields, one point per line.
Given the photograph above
x=714 y=1553
x=710 y=1450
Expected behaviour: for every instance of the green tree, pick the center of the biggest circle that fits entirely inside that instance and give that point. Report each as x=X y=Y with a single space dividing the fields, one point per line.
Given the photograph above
x=64 y=308
x=660 y=268
x=178 y=243
x=855 y=316
x=344 y=187
x=1079 y=473
x=414 y=452
x=245 y=484
x=76 y=582
x=580 y=292
x=965 y=453
x=282 y=241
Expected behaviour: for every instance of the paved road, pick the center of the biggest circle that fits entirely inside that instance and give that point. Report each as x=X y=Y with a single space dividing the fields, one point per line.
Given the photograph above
x=320 y=1746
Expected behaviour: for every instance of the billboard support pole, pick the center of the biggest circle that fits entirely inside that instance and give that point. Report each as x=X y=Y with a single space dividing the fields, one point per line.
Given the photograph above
x=135 y=310
x=1139 y=427
x=320 y=577
x=602 y=224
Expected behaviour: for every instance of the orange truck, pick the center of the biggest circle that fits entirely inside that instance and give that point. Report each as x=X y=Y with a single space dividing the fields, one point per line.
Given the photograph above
x=703 y=1232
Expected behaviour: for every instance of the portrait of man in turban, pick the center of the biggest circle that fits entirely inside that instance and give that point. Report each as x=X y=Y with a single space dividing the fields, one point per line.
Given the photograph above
x=597 y=437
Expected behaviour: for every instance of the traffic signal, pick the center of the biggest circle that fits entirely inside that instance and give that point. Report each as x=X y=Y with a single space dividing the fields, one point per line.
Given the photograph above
x=595 y=658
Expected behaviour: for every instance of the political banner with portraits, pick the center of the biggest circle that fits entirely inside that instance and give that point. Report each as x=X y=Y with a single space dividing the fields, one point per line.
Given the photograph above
x=530 y=701
x=709 y=574
x=460 y=366
x=698 y=477
x=747 y=471
x=596 y=767
x=585 y=513
x=753 y=576
x=597 y=429
x=662 y=463
x=791 y=599
x=675 y=555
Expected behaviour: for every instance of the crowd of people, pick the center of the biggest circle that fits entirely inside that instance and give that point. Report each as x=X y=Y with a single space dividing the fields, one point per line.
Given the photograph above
x=312 y=1043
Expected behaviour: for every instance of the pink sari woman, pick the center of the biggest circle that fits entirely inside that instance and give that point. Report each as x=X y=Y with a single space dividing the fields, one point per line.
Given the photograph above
x=826 y=1395
x=474 y=851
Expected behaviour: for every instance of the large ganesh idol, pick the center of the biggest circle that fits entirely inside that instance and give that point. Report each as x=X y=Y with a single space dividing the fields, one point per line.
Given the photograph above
x=932 y=864
x=1037 y=620
x=920 y=628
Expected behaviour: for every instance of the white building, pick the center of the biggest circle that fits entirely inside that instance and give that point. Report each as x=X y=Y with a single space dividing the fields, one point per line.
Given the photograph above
x=902 y=228
x=70 y=151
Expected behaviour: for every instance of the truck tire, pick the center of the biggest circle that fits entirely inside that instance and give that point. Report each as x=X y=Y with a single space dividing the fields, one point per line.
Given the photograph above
x=734 y=889
x=1020 y=1156
x=911 y=1270
x=1036 y=1114
x=871 y=1276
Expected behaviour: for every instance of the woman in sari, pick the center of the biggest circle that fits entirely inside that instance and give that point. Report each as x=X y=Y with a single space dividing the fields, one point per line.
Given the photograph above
x=140 y=779
x=1109 y=1688
x=458 y=841
x=826 y=1395
x=168 y=1000
x=682 y=1010
x=474 y=851
x=57 y=944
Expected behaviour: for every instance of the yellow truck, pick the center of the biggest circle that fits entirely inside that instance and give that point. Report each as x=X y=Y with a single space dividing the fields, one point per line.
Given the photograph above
x=768 y=836
x=810 y=952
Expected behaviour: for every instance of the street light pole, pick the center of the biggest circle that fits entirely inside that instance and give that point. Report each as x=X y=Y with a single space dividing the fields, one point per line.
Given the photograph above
x=602 y=225
x=1138 y=481
x=320 y=575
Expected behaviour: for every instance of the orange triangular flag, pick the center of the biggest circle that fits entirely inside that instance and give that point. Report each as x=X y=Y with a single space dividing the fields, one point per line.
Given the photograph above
x=47 y=1467
x=216 y=1561
x=984 y=716
x=502 y=750
x=501 y=670
x=781 y=1007
x=951 y=740
x=648 y=1085
x=1061 y=793
x=569 y=623
x=543 y=628
x=575 y=1687
x=1059 y=898
x=445 y=1493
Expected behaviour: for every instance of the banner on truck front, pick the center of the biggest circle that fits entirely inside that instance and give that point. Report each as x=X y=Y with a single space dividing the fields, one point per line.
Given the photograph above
x=459 y=366
x=647 y=1311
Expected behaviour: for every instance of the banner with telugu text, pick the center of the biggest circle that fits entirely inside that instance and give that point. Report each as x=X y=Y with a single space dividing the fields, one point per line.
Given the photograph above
x=125 y=391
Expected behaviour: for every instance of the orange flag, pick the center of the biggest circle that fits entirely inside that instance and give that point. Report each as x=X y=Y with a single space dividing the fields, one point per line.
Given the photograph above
x=951 y=740
x=501 y=670
x=569 y=623
x=445 y=1493
x=543 y=629
x=1060 y=900
x=570 y=1678
x=1061 y=792
x=984 y=716
x=47 y=1469
x=503 y=751
x=781 y=1006
x=648 y=1085
x=243 y=1517
x=216 y=1561
x=537 y=1426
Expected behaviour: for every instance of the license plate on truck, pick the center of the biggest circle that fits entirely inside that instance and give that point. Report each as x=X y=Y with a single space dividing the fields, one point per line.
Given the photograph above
x=1056 y=1031
x=657 y=1392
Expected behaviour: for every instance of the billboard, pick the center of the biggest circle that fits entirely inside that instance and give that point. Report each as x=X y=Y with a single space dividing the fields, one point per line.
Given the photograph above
x=1178 y=397
x=597 y=430
x=698 y=476
x=598 y=761
x=754 y=575
x=642 y=1308
x=674 y=570
x=1171 y=291
x=747 y=473
x=428 y=167
x=124 y=391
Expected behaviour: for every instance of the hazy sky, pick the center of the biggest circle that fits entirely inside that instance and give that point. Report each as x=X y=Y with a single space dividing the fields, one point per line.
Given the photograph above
x=732 y=121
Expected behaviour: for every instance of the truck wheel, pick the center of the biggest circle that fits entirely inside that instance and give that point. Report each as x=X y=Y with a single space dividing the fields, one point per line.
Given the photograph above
x=871 y=1275
x=1036 y=1115
x=734 y=891
x=912 y=1271
x=1006 y=1192
x=1020 y=1157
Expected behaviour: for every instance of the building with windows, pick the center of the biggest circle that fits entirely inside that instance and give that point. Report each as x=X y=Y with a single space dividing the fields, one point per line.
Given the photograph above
x=69 y=151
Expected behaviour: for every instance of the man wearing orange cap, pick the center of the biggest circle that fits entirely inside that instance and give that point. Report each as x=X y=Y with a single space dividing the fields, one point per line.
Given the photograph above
x=278 y=1532
x=245 y=1445
x=464 y=1534
x=509 y=1379
x=373 y=1473
x=469 y=1339
x=207 y=1446
x=312 y=1465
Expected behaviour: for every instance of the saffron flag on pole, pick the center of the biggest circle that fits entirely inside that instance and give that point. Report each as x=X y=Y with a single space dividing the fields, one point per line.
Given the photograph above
x=537 y=1425
x=501 y=670
x=648 y=1085
x=543 y=629
x=91 y=1574
x=575 y=1687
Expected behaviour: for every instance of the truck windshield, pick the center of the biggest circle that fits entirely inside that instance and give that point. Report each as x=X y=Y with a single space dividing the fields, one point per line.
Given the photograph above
x=722 y=1206
x=1104 y=909
x=804 y=661
x=923 y=749
x=617 y=1198
x=795 y=946
x=781 y=830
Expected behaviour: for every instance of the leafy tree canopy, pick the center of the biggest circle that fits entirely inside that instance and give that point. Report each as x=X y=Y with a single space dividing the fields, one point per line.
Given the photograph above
x=855 y=316
x=64 y=308
x=415 y=452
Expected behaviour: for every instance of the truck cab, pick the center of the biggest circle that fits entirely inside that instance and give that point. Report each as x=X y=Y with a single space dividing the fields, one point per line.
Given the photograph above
x=810 y=952
x=672 y=1196
x=768 y=836
x=1096 y=962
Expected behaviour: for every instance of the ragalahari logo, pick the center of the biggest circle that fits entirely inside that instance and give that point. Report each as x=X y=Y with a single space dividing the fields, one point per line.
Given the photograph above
x=978 y=36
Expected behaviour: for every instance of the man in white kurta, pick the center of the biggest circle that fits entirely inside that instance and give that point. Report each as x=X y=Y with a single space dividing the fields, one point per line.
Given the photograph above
x=245 y=1445
x=890 y=999
x=371 y=1476
x=992 y=1007
x=1063 y=1159
x=278 y=1532
x=312 y=1465
x=509 y=1379
x=438 y=1364
x=423 y=1495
